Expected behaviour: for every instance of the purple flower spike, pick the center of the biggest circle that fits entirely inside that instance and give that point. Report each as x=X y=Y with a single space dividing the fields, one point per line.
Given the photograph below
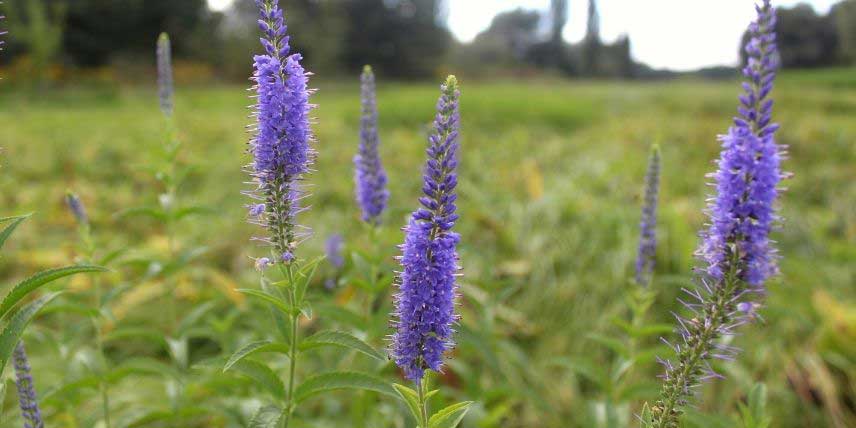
x=77 y=209
x=648 y=225
x=425 y=304
x=735 y=250
x=333 y=248
x=26 y=389
x=370 y=176
x=282 y=135
x=165 y=86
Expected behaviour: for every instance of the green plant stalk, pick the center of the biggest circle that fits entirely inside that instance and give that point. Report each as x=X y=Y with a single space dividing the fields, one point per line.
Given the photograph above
x=169 y=224
x=292 y=364
x=666 y=412
x=421 y=386
x=103 y=387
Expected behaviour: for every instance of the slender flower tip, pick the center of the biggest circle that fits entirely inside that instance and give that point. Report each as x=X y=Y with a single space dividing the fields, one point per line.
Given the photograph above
x=367 y=70
x=163 y=38
x=655 y=150
x=451 y=84
x=76 y=207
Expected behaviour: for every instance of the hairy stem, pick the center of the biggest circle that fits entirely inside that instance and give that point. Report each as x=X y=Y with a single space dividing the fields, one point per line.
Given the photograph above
x=295 y=318
x=421 y=386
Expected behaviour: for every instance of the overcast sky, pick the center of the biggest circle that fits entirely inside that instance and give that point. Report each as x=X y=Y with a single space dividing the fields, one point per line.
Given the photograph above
x=675 y=34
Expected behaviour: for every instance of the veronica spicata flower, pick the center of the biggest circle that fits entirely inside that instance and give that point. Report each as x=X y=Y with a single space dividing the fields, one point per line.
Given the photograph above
x=77 y=209
x=735 y=248
x=333 y=249
x=282 y=135
x=648 y=225
x=26 y=389
x=369 y=174
x=425 y=303
x=165 y=86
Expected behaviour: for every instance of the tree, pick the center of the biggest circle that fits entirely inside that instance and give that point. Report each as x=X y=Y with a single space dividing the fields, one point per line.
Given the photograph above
x=97 y=30
x=402 y=38
x=844 y=16
x=805 y=39
x=591 y=42
x=38 y=26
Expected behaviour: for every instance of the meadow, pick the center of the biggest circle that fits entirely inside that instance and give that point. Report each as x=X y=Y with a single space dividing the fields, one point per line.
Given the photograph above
x=550 y=187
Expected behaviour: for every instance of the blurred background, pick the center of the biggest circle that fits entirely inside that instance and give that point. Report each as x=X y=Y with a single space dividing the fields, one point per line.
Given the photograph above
x=561 y=102
x=61 y=40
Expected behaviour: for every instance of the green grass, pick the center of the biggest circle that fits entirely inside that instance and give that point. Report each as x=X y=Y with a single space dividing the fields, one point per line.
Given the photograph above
x=550 y=189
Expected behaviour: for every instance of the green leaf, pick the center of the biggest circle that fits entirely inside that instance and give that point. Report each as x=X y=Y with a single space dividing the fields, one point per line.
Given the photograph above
x=305 y=275
x=32 y=283
x=15 y=328
x=614 y=345
x=261 y=374
x=410 y=397
x=342 y=380
x=267 y=297
x=255 y=348
x=283 y=325
x=451 y=416
x=266 y=417
x=7 y=231
x=338 y=338
x=753 y=413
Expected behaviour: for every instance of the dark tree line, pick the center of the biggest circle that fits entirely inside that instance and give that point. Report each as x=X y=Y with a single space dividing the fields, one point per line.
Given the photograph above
x=400 y=38
x=807 y=39
x=515 y=39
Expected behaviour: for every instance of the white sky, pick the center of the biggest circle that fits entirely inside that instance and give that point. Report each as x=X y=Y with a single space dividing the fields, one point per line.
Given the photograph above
x=675 y=34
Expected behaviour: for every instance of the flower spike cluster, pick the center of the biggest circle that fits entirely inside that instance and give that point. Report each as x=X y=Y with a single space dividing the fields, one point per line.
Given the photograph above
x=27 y=399
x=165 y=86
x=370 y=176
x=425 y=304
x=282 y=136
x=648 y=225
x=736 y=249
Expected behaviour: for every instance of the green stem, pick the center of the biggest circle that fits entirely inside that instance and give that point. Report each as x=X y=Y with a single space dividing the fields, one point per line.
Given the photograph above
x=86 y=236
x=705 y=333
x=295 y=318
x=423 y=403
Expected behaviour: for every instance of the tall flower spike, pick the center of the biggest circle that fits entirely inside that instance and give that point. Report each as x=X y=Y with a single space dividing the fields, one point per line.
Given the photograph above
x=735 y=248
x=165 y=86
x=26 y=389
x=282 y=135
x=369 y=176
x=333 y=249
x=425 y=303
x=648 y=225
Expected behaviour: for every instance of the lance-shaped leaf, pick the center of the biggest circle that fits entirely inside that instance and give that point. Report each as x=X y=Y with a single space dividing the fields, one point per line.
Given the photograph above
x=266 y=417
x=261 y=374
x=342 y=380
x=451 y=416
x=267 y=297
x=15 y=328
x=255 y=348
x=341 y=339
x=32 y=283
x=7 y=231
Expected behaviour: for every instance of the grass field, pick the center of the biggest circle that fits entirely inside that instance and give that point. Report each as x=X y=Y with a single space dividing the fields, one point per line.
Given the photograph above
x=551 y=177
